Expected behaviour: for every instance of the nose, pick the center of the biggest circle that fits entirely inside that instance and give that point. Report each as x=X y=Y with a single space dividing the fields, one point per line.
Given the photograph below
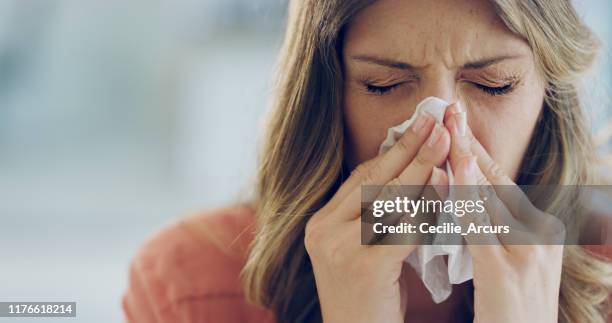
x=444 y=86
x=441 y=85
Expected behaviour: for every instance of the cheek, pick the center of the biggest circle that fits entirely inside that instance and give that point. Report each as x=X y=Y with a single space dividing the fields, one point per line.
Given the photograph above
x=363 y=130
x=366 y=124
x=505 y=129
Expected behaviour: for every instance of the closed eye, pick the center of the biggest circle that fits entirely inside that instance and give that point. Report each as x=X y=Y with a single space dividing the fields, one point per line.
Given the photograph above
x=495 y=90
x=380 y=90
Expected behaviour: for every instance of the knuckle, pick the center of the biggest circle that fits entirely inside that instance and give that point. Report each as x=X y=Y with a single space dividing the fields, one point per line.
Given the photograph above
x=372 y=175
x=532 y=253
x=406 y=142
x=463 y=148
x=556 y=230
x=423 y=159
x=482 y=181
x=361 y=168
x=463 y=151
x=312 y=237
x=493 y=170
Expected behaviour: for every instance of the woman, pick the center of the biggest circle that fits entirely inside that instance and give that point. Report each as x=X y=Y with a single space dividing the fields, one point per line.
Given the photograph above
x=349 y=71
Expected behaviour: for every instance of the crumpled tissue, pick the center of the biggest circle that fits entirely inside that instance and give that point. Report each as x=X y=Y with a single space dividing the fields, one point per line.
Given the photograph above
x=428 y=260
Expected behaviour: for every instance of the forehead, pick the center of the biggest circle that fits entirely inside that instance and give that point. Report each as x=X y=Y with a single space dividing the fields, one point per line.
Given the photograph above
x=420 y=31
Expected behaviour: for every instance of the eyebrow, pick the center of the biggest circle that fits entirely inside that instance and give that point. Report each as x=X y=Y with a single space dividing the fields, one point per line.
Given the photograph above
x=488 y=62
x=382 y=61
x=482 y=63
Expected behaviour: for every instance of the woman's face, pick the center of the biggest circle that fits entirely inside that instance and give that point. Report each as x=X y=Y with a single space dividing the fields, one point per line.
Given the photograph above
x=398 y=52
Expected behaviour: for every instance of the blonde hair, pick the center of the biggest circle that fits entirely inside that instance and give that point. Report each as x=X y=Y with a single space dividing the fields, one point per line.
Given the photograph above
x=302 y=161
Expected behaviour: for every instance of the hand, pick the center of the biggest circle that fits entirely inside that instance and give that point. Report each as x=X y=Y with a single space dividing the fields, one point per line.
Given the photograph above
x=512 y=283
x=361 y=283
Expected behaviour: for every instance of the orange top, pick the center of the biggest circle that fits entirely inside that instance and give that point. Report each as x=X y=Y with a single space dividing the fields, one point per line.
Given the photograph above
x=181 y=275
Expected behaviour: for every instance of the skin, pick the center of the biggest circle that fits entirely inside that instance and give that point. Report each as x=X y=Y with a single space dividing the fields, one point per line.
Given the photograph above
x=446 y=36
x=441 y=48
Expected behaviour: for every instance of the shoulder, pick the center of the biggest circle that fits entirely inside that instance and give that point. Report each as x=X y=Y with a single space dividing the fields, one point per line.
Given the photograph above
x=601 y=251
x=597 y=234
x=190 y=271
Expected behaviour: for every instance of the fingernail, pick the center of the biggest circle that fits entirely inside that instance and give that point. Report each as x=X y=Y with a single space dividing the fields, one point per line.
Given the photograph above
x=460 y=123
x=434 y=136
x=419 y=123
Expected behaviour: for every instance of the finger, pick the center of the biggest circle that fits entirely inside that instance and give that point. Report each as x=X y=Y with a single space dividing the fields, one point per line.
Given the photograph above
x=491 y=170
x=511 y=194
x=532 y=227
x=460 y=145
x=463 y=165
x=546 y=231
x=372 y=223
x=481 y=245
x=463 y=144
x=452 y=109
x=436 y=186
x=432 y=153
x=385 y=167
x=342 y=237
x=439 y=181
x=501 y=216
x=528 y=223
x=461 y=148
x=405 y=287
x=450 y=121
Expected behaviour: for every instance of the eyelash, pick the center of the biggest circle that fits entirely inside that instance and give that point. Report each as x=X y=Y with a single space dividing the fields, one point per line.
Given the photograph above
x=505 y=89
x=493 y=91
x=381 y=90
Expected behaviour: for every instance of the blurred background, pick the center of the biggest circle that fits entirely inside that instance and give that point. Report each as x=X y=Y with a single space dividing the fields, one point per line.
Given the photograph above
x=117 y=117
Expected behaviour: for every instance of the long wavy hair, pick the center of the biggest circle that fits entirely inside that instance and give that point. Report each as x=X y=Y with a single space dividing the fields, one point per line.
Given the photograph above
x=302 y=163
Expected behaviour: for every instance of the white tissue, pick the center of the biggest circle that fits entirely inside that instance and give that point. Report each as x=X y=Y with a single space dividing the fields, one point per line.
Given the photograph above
x=428 y=260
